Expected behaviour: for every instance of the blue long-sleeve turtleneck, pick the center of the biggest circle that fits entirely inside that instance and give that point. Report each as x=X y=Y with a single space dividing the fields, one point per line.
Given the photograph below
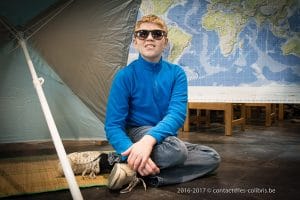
x=146 y=94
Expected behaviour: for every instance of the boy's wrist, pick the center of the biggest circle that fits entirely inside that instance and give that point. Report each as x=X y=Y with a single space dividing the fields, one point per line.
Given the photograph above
x=149 y=140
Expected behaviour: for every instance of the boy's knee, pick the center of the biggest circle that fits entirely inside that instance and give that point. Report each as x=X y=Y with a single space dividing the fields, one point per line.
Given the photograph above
x=180 y=150
x=171 y=152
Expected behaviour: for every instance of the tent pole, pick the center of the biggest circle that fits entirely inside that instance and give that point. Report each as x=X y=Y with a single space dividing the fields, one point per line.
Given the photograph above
x=75 y=191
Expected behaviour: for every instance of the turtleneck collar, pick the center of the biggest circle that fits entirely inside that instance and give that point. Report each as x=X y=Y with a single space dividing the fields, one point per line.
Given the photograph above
x=152 y=66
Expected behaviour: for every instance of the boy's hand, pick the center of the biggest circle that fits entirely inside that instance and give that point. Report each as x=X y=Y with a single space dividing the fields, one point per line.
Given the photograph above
x=149 y=169
x=139 y=156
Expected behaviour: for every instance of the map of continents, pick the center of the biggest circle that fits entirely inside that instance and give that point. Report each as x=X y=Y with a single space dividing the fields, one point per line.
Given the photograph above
x=232 y=42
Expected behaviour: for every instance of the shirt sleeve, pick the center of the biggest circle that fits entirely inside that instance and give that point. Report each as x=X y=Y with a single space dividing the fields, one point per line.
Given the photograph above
x=116 y=113
x=176 y=113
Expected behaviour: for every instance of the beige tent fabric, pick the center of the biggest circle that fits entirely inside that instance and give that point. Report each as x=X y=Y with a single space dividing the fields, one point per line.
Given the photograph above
x=77 y=54
x=86 y=44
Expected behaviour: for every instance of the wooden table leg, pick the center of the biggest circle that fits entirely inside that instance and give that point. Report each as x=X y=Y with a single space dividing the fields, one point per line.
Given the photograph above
x=281 y=112
x=268 y=114
x=243 y=116
x=228 y=118
x=186 y=126
x=207 y=118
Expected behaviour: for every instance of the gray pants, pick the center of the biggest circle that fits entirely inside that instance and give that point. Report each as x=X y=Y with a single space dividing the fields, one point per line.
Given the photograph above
x=178 y=161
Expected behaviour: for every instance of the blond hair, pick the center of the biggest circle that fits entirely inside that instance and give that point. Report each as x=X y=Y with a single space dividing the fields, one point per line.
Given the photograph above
x=152 y=19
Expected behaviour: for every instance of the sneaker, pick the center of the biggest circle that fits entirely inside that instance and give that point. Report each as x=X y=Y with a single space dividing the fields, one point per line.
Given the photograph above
x=122 y=175
x=91 y=163
x=83 y=163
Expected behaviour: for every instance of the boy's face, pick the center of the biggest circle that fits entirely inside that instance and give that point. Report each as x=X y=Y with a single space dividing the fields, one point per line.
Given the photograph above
x=151 y=49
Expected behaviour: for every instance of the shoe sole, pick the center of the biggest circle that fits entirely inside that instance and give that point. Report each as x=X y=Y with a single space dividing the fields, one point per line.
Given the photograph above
x=113 y=179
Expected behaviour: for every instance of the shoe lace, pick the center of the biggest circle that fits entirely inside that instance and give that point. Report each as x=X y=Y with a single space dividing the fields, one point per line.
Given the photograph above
x=135 y=181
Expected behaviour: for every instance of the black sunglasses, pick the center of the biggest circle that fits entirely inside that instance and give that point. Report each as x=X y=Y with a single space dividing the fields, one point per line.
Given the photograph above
x=156 y=34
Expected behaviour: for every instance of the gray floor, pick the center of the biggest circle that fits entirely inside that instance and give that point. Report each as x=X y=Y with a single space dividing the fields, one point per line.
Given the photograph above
x=260 y=163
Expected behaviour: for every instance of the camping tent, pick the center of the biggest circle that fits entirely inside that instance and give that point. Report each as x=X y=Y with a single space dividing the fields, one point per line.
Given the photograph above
x=76 y=47
x=72 y=49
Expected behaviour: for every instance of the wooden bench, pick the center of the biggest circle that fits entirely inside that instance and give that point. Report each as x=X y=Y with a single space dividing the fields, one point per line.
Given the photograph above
x=229 y=120
x=269 y=108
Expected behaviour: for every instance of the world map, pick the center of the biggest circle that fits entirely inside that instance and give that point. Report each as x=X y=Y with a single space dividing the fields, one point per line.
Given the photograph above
x=233 y=43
